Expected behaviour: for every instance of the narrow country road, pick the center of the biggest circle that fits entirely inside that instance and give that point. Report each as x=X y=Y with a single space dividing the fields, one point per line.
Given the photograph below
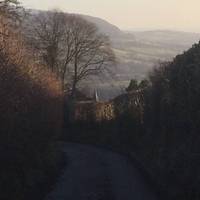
x=96 y=174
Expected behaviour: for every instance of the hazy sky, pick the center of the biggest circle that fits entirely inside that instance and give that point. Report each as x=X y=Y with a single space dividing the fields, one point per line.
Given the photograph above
x=133 y=14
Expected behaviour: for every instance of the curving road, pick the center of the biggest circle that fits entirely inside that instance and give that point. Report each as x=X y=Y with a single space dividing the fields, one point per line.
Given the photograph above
x=96 y=174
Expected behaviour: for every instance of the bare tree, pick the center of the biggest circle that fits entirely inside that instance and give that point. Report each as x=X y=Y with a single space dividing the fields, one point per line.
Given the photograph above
x=50 y=37
x=68 y=43
x=92 y=51
x=45 y=35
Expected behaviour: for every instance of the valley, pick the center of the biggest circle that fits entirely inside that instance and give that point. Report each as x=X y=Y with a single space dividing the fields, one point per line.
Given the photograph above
x=137 y=53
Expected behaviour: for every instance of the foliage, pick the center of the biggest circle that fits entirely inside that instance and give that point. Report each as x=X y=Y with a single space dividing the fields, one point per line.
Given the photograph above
x=144 y=84
x=172 y=122
x=133 y=85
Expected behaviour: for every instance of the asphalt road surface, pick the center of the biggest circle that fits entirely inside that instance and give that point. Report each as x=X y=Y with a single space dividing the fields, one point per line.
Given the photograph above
x=96 y=174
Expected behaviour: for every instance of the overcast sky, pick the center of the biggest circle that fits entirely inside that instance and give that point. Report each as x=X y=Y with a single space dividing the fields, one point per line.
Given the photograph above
x=133 y=14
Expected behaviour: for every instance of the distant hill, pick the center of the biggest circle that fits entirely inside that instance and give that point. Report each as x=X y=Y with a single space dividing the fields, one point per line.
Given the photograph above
x=104 y=26
x=137 y=53
x=144 y=50
x=167 y=37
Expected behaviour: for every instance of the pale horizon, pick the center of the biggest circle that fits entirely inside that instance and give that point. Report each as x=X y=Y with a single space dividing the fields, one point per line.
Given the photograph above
x=179 y=15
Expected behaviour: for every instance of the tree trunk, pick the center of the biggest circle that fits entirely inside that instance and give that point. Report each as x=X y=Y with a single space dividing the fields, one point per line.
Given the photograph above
x=63 y=82
x=73 y=93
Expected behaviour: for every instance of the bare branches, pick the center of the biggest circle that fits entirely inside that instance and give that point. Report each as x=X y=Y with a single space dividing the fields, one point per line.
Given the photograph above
x=68 y=43
x=92 y=51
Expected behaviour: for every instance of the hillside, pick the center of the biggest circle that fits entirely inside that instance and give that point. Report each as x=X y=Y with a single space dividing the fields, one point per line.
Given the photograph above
x=104 y=26
x=137 y=53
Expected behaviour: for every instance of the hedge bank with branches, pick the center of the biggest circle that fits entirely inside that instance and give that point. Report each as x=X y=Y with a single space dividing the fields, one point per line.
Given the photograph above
x=31 y=104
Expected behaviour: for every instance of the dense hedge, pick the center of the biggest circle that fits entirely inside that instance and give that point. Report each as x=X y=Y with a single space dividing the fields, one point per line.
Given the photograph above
x=31 y=104
x=172 y=114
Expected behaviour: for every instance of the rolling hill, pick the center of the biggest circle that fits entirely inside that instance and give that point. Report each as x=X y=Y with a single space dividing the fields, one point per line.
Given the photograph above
x=137 y=53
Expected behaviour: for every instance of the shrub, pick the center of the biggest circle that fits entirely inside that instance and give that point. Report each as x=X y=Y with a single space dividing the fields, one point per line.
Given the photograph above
x=172 y=126
x=31 y=104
